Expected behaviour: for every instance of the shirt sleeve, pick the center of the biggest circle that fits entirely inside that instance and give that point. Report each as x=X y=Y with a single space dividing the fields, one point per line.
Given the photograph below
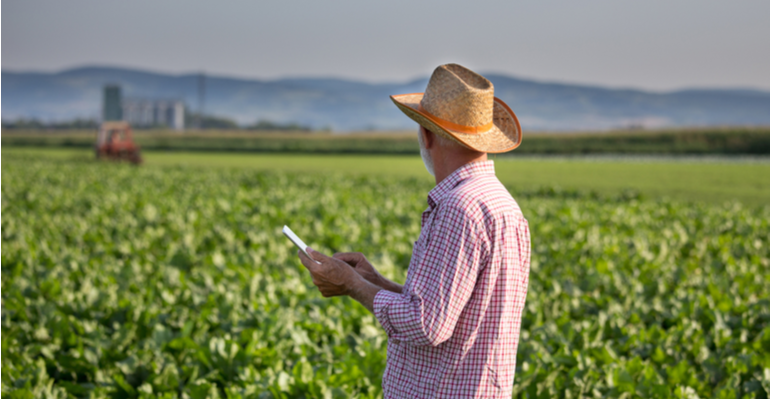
x=441 y=284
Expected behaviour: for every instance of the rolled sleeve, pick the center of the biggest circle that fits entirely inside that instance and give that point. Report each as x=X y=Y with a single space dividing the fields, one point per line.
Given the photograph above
x=382 y=301
x=401 y=317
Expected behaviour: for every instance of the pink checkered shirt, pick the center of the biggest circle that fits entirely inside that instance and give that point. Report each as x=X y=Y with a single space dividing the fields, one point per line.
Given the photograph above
x=454 y=330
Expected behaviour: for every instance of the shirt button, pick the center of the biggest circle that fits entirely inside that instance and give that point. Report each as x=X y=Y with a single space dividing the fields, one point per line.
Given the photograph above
x=395 y=341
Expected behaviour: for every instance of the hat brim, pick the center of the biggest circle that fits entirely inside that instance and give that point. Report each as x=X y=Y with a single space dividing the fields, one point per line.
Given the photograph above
x=505 y=134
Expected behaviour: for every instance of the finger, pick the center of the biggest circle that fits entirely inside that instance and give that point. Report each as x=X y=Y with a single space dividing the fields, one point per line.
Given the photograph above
x=309 y=263
x=302 y=254
x=350 y=258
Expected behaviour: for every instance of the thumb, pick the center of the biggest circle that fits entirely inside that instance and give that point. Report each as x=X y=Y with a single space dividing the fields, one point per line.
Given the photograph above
x=318 y=256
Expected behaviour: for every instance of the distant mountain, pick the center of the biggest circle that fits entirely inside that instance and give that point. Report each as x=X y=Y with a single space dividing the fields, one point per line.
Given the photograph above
x=349 y=105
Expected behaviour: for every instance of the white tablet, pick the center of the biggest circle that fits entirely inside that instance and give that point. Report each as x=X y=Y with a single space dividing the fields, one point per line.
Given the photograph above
x=296 y=240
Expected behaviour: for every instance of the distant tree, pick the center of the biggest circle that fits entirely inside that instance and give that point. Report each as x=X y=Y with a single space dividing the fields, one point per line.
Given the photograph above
x=209 y=122
x=265 y=125
x=35 y=124
x=22 y=123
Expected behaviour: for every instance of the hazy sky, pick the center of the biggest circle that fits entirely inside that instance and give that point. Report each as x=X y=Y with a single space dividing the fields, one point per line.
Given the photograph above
x=656 y=45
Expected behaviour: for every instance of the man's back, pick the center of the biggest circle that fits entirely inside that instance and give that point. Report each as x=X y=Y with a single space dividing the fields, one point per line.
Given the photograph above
x=454 y=329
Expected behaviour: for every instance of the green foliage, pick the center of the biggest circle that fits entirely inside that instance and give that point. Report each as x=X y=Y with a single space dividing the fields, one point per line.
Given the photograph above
x=265 y=125
x=35 y=124
x=194 y=120
x=171 y=282
x=738 y=140
x=266 y=136
x=653 y=299
x=715 y=181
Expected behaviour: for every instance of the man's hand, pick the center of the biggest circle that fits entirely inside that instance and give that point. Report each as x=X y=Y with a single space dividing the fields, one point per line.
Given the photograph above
x=335 y=277
x=332 y=277
x=364 y=268
x=361 y=265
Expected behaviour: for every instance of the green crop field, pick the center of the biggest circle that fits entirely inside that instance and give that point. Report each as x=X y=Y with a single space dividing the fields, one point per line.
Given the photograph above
x=722 y=180
x=173 y=280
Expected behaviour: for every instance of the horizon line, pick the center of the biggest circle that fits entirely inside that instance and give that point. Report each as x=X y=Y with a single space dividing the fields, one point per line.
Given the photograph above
x=388 y=82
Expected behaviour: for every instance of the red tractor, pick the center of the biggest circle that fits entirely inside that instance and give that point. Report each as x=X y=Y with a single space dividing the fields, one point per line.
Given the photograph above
x=115 y=142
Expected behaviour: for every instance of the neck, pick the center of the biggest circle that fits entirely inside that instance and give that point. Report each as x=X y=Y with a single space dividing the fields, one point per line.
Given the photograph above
x=447 y=162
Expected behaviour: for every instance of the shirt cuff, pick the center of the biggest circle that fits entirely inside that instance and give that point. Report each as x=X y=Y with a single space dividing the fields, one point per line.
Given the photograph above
x=382 y=301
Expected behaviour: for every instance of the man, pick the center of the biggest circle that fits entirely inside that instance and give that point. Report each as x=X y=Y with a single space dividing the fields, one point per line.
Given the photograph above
x=453 y=327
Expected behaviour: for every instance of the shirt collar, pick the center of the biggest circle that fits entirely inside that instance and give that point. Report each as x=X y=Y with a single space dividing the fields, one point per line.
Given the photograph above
x=460 y=174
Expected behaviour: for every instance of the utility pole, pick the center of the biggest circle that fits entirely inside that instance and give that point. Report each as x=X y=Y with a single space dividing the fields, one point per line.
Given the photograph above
x=201 y=98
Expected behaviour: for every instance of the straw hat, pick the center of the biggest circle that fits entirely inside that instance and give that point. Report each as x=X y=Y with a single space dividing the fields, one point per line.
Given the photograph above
x=460 y=104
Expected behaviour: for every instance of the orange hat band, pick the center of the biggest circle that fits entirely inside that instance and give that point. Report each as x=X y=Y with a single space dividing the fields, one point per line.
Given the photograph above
x=456 y=127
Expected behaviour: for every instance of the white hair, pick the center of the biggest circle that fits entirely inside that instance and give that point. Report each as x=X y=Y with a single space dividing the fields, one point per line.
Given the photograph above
x=426 y=158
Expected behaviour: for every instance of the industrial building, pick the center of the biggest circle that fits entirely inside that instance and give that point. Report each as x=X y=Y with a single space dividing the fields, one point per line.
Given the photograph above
x=142 y=113
x=154 y=113
x=111 y=110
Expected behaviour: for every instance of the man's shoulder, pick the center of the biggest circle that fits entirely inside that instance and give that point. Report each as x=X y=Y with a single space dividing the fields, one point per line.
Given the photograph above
x=480 y=198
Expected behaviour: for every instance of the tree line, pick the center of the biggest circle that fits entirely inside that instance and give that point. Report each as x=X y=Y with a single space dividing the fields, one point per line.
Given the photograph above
x=192 y=121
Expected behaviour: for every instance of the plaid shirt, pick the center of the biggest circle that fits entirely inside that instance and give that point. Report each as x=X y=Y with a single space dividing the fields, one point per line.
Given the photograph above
x=454 y=331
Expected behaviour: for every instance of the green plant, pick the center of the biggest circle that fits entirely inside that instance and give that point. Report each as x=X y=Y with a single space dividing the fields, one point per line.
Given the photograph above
x=170 y=282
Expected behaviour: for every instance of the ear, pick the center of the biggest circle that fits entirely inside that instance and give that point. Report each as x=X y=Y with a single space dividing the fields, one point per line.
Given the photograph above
x=430 y=137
